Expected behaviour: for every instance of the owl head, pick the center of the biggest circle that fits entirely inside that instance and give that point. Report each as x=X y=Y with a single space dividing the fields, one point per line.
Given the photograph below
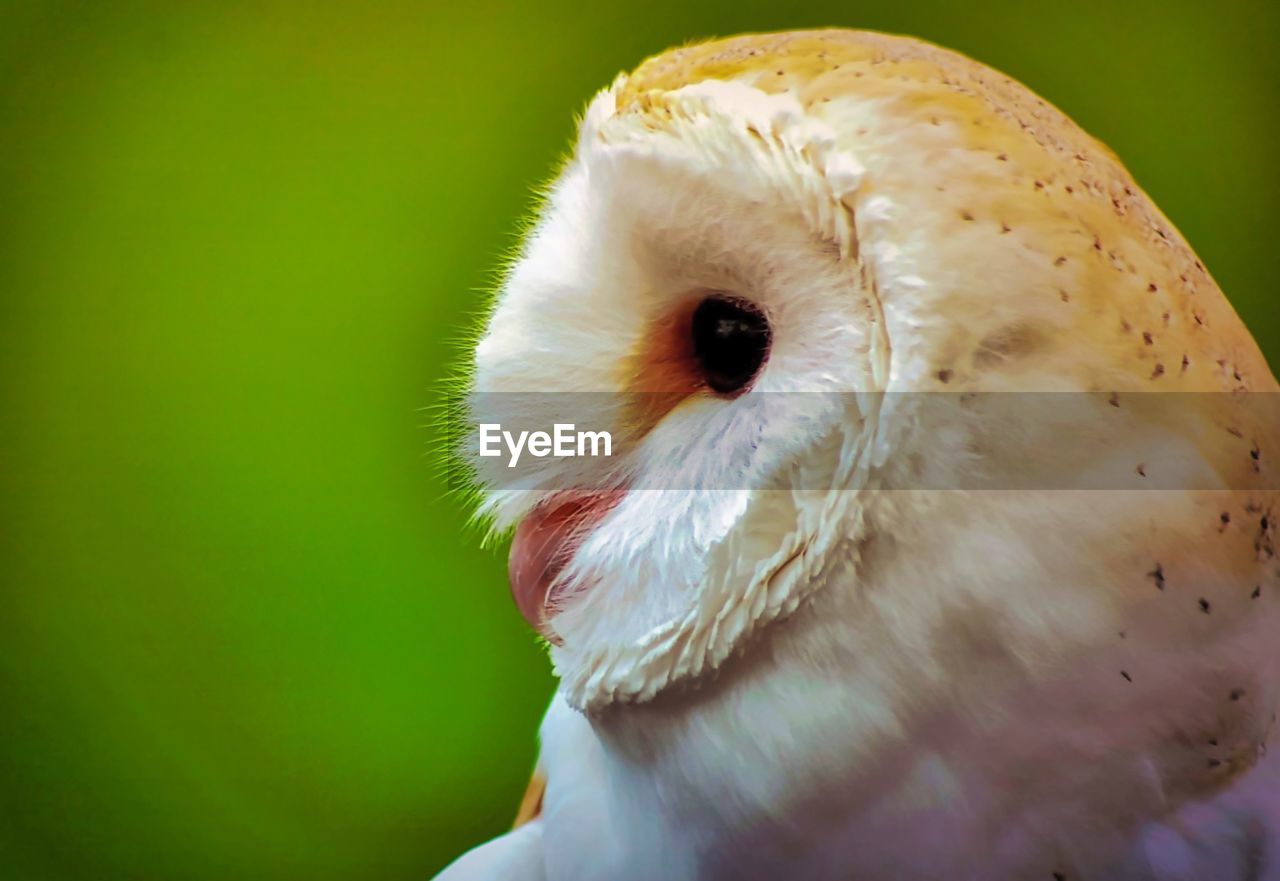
x=777 y=270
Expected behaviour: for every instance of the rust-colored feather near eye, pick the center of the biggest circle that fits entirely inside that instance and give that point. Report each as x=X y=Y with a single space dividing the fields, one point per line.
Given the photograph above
x=661 y=372
x=531 y=803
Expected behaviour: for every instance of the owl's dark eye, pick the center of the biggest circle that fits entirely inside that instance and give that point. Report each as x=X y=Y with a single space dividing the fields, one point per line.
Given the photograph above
x=731 y=342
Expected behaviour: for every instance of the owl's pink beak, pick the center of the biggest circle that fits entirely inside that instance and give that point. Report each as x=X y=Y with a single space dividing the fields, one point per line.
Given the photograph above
x=545 y=542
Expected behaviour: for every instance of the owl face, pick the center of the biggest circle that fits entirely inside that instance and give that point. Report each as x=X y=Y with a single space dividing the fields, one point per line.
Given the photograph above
x=752 y=242
x=677 y=284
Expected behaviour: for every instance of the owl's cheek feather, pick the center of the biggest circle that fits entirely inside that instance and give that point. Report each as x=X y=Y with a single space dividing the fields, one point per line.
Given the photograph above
x=545 y=542
x=658 y=374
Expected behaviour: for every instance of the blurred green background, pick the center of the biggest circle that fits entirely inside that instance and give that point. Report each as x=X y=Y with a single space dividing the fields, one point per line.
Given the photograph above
x=244 y=632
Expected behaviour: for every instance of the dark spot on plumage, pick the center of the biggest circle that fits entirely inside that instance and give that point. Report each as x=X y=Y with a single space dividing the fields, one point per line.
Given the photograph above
x=1157 y=575
x=1058 y=261
x=1058 y=876
x=1006 y=343
x=1127 y=677
x=1257 y=592
x=1003 y=157
x=1141 y=469
x=1158 y=371
x=944 y=375
x=1235 y=432
x=1064 y=296
x=1225 y=519
x=966 y=215
x=1213 y=741
x=1151 y=288
x=1114 y=400
x=1186 y=362
x=1147 y=337
x=1213 y=763
x=1236 y=694
x=1264 y=544
x=1004 y=227
x=1205 y=606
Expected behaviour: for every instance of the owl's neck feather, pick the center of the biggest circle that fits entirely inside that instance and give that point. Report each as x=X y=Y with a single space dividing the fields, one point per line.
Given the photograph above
x=944 y=704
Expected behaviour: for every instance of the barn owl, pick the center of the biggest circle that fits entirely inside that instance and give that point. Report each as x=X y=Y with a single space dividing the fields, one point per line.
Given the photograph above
x=835 y=609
